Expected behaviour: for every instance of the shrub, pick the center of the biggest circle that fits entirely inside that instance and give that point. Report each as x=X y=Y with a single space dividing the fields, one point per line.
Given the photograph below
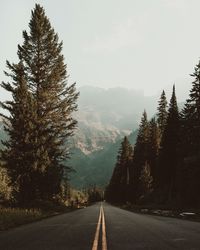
x=5 y=187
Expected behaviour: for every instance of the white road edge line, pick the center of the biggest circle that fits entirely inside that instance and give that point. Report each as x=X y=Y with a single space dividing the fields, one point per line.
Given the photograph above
x=96 y=239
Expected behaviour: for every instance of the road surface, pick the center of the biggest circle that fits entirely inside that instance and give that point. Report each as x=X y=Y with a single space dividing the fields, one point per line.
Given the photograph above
x=103 y=227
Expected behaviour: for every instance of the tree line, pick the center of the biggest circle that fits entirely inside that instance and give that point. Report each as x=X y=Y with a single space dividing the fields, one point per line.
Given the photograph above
x=163 y=167
x=39 y=118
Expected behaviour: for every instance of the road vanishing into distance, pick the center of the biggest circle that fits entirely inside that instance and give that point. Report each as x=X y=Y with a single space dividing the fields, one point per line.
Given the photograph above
x=103 y=227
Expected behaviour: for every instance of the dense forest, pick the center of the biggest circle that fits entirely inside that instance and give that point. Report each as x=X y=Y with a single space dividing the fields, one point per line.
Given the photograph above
x=163 y=166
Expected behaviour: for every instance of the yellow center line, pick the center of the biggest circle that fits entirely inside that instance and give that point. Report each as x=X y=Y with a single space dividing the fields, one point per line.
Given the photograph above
x=97 y=233
x=96 y=238
x=104 y=241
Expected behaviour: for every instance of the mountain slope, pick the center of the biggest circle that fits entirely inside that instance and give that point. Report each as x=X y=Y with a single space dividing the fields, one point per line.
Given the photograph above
x=96 y=168
x=104 y=118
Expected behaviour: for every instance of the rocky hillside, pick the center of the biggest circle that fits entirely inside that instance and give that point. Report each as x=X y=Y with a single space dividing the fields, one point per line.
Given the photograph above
x=104 y=118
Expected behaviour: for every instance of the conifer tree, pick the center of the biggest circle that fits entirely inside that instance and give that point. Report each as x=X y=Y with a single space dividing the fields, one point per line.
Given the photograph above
x=18 y=153
x=153 y=149
x=51 y=101
x=190 y=144
x=162 y=113
x=143 y=134
x=168 y=159
x=140 y=153
x=191 y=116
x=119 y=186
x=5 y=187
x=146 y=182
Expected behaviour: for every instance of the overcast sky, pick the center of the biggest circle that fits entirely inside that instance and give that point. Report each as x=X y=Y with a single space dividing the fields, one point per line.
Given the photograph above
x=138 y=44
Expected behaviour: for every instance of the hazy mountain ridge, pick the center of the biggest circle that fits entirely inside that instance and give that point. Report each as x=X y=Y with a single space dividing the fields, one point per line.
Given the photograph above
x=116 y=106
x=93 y=133
x=104 y=118
x=96 y=168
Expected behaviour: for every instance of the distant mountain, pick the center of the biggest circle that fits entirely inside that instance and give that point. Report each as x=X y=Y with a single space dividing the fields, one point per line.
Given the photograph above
x=96 y=168
x=117 y=107
x=104 y=117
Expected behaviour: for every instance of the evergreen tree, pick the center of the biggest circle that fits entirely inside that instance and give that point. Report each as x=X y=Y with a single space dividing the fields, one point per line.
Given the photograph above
x=140 y=153
x=5 y=187
x=162 y=113
x=153 y=149
x=168 y=158
x=95 y=194
x=119 y=186
x=51 y=101
x=190 y=144
x=191 y=116
x=146 y=183
x=145 y=158
x=143 y=134
x=18 y=152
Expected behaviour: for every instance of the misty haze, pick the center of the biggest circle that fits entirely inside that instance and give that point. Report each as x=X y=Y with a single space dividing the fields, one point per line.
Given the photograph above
x=100 y=125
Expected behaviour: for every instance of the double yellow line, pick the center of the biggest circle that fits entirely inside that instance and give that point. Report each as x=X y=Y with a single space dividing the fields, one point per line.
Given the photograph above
x=101 y=222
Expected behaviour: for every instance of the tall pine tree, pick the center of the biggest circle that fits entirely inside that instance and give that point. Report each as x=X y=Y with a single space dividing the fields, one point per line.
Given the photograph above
x=140 y=154
x=191 y=116
x=168 y=159
x=153 y=149
x=53 y=101
x=162 y=113
x=18 y=153
x=190 y=144
x=146 y=183
x=119 y=189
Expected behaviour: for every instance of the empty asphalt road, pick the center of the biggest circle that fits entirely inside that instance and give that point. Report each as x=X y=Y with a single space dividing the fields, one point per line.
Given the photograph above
x=103 y=227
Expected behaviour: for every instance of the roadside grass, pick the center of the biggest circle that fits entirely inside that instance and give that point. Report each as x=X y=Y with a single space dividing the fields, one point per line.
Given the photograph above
x=11 y=217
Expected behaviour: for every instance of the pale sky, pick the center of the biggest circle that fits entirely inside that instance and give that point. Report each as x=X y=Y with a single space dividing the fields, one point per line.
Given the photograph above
x=137 y=44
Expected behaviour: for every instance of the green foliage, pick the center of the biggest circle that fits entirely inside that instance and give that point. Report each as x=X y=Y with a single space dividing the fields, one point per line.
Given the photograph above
x=5 y=188
x=162 y=113
x=97 y=167
x=145 y=158
x=95 y=194
x=140 y=154
x=146 y=182
x=119 y=186
x=11 y=217
x=153 y=150
x=190 y=145
x=154 y=163
x=18 y=153
x=77 y=198
x=191 y=116
x=168 y=157
x=40 y=118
